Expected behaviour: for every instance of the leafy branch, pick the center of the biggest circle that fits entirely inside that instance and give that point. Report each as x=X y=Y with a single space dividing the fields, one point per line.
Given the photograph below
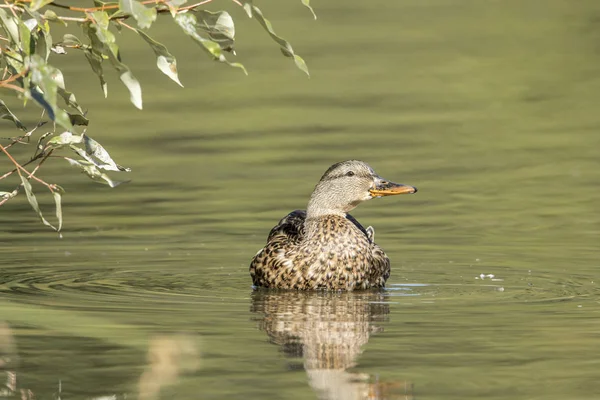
x=27 y=46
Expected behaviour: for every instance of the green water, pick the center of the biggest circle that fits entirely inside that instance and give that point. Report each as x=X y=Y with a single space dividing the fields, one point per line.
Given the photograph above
x=490 y=108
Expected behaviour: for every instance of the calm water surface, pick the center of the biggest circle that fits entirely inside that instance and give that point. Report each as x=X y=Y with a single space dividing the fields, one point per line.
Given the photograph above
x=490 y=108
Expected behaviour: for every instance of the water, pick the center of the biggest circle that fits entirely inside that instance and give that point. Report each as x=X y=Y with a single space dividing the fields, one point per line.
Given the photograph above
x=489 y=108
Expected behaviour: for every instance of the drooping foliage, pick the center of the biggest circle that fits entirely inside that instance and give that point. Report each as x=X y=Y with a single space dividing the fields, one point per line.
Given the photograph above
x=27 y=49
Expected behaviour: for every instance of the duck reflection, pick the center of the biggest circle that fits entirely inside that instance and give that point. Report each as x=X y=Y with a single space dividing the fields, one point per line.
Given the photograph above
x=328 y=330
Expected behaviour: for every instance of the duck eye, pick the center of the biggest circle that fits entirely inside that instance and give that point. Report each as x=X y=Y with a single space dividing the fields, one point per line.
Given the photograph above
x=350 y=173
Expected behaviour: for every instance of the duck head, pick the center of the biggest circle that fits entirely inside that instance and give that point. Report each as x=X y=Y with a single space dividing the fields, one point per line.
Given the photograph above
x=347 y=184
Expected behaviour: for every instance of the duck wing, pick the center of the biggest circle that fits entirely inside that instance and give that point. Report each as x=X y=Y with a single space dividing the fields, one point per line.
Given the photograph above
x=269 y=267
x=291 y=227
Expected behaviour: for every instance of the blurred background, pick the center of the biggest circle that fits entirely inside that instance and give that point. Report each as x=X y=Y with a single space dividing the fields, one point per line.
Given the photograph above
x=489 y=107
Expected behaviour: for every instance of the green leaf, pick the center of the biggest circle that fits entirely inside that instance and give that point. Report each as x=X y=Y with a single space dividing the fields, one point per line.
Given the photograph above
x=71 y=41
x=103 y=42
x=285 y=46
x=39 y=145
x=95 y=61
x=307 y=4
x=70 y=99
x=301 y=64
x=65 y=139
x=58 y=202
x=248 y=8
x=102 y=19
x=173 y=5
x=135 y=89
x=15 y=60
x=25 y=35
x=219 y=27
x=143 y=15
x=11 y=27
x=9 y=195
x=37 y=4
x=5 y=113
x=104 y=4
x=33 y=201
x=51 y=16
x=168 y=66
x=67 y=96
x=78 y=119
x=165 y=60
x=188 y=23
x=30 y=23
x=44 y=44
x=46 y=78
x=96 y=154
x=93 y=172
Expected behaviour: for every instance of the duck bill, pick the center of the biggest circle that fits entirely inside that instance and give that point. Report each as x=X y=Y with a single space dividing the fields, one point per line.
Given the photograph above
x=384 y=188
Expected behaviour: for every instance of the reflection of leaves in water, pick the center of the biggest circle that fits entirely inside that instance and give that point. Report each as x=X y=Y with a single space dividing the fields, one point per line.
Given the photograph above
x=168 y=358
x=328 y=330
x=8 y=361
x=71 y=360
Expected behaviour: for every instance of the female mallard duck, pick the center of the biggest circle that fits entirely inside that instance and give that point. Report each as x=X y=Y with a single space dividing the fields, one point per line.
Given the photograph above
x=324 y=247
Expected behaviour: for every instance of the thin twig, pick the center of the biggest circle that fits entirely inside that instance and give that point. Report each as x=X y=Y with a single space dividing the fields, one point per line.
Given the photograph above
x=20 y=168
x=13 y=87
x=116 y=6
x=18 y=139
x=8 y=174
x=27 y=135
x=14 y=77
x=194 y=5
x=41 y=162
x=75 y=19
x=37 y=157
x=12 y=8
x=126 y=25
x=93 y=9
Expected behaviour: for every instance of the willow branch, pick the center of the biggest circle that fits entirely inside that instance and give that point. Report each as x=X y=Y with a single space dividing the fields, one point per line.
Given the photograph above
x=115 y=6
x=29 y=174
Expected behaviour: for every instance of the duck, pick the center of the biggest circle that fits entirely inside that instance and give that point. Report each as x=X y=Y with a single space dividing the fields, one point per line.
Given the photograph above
x=324 y=247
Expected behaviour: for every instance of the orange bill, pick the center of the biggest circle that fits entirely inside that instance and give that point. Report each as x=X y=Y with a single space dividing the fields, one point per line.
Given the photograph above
x=385 y=188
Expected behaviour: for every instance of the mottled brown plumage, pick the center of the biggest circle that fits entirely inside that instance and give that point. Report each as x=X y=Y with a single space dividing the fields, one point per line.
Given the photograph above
x=324 y=247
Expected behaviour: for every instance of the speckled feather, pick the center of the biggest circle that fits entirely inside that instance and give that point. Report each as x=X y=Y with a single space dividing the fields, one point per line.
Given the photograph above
x=341 y=256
